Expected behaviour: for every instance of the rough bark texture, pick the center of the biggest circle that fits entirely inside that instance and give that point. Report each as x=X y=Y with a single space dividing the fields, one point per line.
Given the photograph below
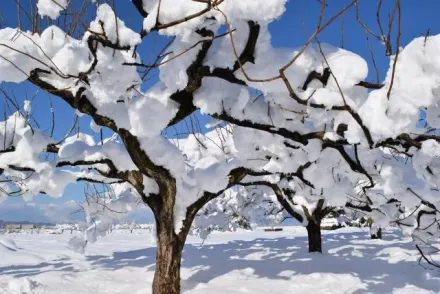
x=168 y=257
x=314 y=235
x=169 y=244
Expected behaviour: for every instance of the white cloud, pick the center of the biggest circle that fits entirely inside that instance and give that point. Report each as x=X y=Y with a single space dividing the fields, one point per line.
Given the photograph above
x=57 y=212
x=17 y=210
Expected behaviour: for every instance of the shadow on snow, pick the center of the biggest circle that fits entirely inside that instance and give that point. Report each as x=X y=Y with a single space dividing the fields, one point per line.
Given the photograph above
x=346 y=253
x=270 y=257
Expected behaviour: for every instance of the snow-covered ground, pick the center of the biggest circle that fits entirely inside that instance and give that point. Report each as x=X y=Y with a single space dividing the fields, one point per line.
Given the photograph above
x=234 y=262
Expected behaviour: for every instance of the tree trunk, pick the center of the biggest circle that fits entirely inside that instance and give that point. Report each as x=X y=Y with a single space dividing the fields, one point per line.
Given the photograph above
x=376 y=233
x=168 y=258
x=169 y=250
x=314 y=234
x=169 y=244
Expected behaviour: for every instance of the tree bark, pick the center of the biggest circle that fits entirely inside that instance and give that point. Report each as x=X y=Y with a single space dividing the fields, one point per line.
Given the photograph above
x=169 y=244
x=168 y=259
x=314 y=234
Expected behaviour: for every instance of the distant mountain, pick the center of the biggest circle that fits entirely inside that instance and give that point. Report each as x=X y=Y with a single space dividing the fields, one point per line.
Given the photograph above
x=2 y=223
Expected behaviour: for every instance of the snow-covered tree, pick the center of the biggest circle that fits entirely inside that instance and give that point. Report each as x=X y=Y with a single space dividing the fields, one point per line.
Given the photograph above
x=306 y=123
x=97 y=74
x=263 y=203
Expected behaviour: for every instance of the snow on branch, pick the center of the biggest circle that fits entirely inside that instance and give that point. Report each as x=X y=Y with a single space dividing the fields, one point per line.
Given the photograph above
x=301 y=122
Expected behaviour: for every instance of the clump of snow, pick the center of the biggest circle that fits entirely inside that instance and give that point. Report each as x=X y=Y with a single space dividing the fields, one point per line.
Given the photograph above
x=23 y=285
x=113 y=28
x=51 y=8
x=172 y=10
x=15 y=63
x=103 y=210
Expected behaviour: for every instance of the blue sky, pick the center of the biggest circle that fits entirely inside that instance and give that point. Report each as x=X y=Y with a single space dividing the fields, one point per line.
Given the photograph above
x=291 y=30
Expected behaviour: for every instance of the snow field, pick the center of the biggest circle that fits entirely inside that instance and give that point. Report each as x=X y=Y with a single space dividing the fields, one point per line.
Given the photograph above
x=232 y=262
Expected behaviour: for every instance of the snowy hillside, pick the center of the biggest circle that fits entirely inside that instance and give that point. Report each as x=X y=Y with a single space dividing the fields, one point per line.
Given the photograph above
x=231 y=262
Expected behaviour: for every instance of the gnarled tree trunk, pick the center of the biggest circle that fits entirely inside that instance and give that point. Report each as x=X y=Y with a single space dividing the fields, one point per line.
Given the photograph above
x=169 y=244
x=314 y=235
x=168 y=259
